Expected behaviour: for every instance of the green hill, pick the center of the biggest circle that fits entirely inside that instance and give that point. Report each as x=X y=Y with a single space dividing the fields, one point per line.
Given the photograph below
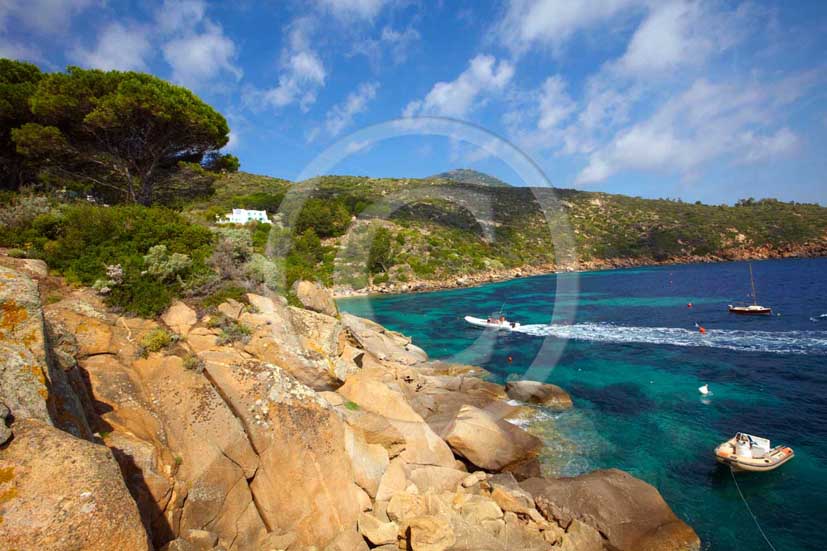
x=440 y=231
x=468 y=176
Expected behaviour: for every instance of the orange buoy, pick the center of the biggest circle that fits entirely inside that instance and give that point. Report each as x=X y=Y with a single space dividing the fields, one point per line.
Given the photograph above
x=509 y=359
x=702 y=330
x=689 y=305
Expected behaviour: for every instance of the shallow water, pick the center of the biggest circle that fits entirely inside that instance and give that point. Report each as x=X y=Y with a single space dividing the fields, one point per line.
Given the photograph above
x=625 y=345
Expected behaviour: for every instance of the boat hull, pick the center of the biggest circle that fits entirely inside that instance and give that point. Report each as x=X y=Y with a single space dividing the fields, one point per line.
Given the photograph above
x=479 y=322
x=774 y=458
x=743 y=311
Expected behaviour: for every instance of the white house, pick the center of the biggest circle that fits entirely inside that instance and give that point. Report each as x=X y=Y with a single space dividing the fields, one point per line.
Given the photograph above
x=242 y=216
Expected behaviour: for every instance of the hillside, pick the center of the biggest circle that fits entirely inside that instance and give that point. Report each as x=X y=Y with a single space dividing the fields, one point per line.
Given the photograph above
x=439 y=233
x=468 y=176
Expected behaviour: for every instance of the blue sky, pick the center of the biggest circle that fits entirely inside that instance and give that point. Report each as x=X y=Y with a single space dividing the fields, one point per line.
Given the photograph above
x=701 y=100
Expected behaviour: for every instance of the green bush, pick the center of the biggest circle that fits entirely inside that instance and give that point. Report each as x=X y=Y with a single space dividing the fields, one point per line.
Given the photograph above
x=261 y=269
x=326 y=217
x=230 y=330
x=155 y=341
x=81 y=240
x=194 y=363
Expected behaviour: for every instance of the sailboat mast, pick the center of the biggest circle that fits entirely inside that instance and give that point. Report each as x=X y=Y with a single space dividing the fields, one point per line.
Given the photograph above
x=752 y=282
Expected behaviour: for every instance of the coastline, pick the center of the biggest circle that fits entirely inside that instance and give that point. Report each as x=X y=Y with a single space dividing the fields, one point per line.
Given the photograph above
x=807 y=250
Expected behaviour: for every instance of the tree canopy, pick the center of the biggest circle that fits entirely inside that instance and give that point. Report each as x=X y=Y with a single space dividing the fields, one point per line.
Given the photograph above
x=122 y=133
x=18 y=82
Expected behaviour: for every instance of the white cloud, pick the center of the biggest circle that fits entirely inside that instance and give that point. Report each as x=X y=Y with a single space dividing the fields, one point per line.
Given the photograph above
x=705 y=122
x=302 y=71
x=43 y=16
x=16 y=50
x=395 y=44
x=555 y=103
x=176 y=16
x=551 y=23
x=458 y=97
x=118 y=47
x=360 y=9
x=679 y=33
x=340 y=116
x=200 y=57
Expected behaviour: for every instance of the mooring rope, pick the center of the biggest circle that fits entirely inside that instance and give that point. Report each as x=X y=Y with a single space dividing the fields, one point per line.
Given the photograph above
x=749 y=509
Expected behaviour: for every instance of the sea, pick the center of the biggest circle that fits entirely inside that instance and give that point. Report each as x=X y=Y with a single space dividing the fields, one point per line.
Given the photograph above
x=626 y=344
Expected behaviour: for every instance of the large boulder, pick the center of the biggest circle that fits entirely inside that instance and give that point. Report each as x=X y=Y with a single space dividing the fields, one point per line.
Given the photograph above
x=383 y=343
x=315 y=297
x=631 y=514
x=368 y=391
x=488 y=442
x=59 y=492
x=534 y=392
x=213 y=454
x=305 y=481
x=180 y=318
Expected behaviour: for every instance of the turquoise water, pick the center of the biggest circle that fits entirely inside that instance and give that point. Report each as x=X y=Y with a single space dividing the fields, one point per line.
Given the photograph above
x=625 y=345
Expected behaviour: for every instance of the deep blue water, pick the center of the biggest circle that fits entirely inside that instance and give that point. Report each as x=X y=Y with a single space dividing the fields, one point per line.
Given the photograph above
x=625 y=345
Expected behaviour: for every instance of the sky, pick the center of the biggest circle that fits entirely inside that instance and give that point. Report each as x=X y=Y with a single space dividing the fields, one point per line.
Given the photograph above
x=696 y=100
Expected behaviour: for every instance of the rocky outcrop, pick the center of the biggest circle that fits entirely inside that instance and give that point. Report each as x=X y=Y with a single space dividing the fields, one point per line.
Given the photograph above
x=533 y=392
x=59 y=492
x=315 y=297
x=32 y=383
x=488 y=442
x=383 y=343
x=629 y=513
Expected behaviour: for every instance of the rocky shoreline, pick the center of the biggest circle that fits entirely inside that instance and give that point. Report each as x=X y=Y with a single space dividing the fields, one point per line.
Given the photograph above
x=272 y=427
x=807 y=250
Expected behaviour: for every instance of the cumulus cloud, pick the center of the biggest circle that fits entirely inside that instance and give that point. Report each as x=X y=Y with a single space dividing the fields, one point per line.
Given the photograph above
x=705 y=122
x=302 y=71
x=194 y=46
x=118 y=47
x=200 y=57
x=555 y=105
x=341 y=115
x=458 y=97
x=678 y=33
x=551 y=23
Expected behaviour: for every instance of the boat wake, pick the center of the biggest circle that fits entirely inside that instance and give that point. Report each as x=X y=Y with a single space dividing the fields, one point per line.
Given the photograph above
x=787 y=342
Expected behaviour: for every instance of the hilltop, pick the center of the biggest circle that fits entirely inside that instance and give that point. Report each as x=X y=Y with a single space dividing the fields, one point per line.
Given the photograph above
x=468 y=176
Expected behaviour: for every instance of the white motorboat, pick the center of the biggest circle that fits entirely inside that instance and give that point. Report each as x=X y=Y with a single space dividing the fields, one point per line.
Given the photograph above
x=492 y=322
x=745 y=452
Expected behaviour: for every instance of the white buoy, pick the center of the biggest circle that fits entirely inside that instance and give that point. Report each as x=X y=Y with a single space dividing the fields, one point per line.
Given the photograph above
x=704 y=389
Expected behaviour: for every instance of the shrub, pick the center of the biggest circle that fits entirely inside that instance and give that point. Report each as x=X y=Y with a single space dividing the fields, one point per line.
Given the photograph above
x=22 y=209
x=81 y=241
x=231 y=330
x=165 y=266
x=326 y=217
x=352 y=406
x=194 y=363
x=154 y=341
x=16 y=253
x=261 y=269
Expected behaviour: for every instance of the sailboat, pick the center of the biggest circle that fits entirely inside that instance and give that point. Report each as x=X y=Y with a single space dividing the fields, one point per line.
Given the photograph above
x=754 y=308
